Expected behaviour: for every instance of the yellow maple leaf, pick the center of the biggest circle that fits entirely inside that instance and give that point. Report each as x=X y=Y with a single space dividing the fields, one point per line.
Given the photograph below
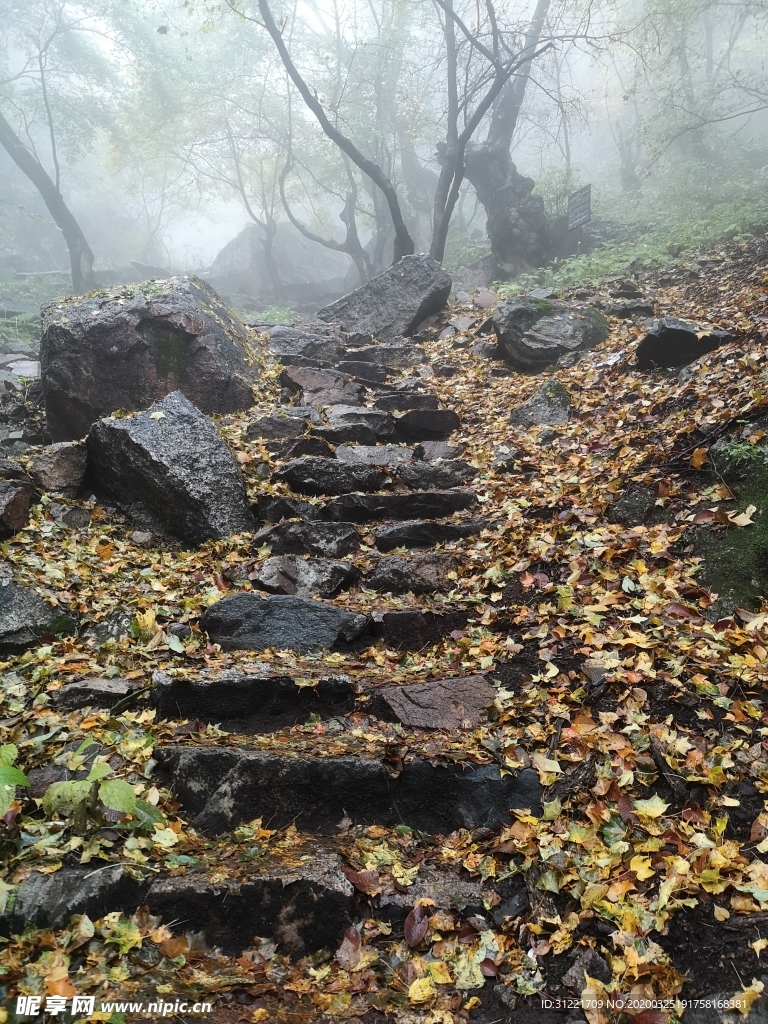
x=641 y=867
x=421 y=991
x=439 y=973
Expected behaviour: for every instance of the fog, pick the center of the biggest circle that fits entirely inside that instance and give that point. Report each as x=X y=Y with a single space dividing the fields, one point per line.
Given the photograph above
x=287 y=152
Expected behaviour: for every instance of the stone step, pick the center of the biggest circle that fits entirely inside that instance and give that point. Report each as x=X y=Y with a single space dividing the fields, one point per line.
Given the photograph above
x=365 y=372
x=425 y=533
x=302 y=905
x=405 y=401
x=394 y=354
x=322 y=387
x=254 y=702
x=364 y=508
x=329 y=540
x=426 y=424
x=318 y=475
x=303 y=901
x=219 y=787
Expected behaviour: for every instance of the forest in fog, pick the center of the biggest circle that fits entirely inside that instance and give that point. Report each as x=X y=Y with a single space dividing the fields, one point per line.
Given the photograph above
x=318 y=141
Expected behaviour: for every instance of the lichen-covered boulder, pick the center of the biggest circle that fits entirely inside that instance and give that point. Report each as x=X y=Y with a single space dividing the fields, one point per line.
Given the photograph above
x=127 y=349
x=534 y=333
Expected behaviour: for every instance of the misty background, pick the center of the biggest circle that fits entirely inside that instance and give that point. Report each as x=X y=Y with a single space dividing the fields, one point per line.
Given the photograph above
x=142 y=139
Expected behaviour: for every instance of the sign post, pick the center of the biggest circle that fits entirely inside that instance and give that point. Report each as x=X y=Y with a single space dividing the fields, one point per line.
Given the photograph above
x=580 y=210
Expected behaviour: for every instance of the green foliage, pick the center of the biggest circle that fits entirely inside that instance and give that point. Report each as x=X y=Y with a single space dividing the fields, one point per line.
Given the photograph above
x=10 y=776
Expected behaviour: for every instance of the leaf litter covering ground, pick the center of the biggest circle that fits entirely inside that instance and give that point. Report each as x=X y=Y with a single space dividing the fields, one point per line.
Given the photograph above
x=644 y=719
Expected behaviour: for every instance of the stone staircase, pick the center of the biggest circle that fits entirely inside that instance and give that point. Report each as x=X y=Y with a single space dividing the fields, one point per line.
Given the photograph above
x=363 y=461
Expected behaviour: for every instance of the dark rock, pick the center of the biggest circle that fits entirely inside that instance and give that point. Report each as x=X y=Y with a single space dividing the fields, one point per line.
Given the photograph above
x=541 y=293
x=549 y=406
x=277 y=426
x=247 y=703
x=414 y=630
x=427 y=425
x=380 y=422
x=267 y=509
x=60 y=468
x=296 y=347
x=245 y=621
x=445 y=370
x=589 y=963
x=302 y=908
x=10 y=470
x=422 y=574
x=431 y=450
x=223 y=786
x=673 y=343
x=330 y=476
x=100 y=354
x=16 y=498
x=507 y=459
x=487 y=349
x=94 y=693
x=312 y=577
x=25 y=618
x=169 y=469
x=425 y=534
x=388 y=457
x=534 y=333
x=626 y=290
x=347 y=433
x=398 y=354
x=329 y=540
x=438 y=475
x=308 y=446
x=404 y=402
x=49 y=900
x=369 y=372
x=395 y=302
x=322 y=387
x=112 y=629
x=362 y=508
x=629 y=310
x=74 y=517
x=41 y=778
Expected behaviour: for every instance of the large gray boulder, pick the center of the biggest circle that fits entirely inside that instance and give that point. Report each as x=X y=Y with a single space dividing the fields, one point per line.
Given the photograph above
x=534 y=333
x=394 y=303
x=59 y=468
x=126 y=351
x=169 y=469
x=246 y=622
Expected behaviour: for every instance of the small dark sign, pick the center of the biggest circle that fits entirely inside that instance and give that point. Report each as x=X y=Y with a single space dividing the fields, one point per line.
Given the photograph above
x=580 y=208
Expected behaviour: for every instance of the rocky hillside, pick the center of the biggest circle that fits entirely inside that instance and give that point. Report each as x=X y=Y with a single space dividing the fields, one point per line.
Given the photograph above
x=429 y=688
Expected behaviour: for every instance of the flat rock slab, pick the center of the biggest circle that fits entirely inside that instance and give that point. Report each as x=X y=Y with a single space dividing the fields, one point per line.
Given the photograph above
x=248 y=703
x=93 y=693
x=414 y=630
x=307 y=577
x=247 y=622
x=404 y=401
x=440 y=703
x=329 y=540
x=276 y=427
x=268 y=509
x=395 y=302
x=440 y=475
x=396 y=355
x=59 y=468
x=421 y=533
x=25 y=618
x=222 y=786
x=322 y=387
x=300 y=908
x=421 y=574
x=389 y=457
x=369 y=372
x=363 y=508
x=549 y=406
x=427 y=425
x=105 y=353
x=304 y=446
x=347 y=433
x=534 y=333
x=379 y=421
x=296 y=347
x=170 y=470
x=673 y=343
x=312 y=475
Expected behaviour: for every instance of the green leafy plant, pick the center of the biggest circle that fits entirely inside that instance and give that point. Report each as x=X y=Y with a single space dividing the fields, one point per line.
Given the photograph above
x=10 y=776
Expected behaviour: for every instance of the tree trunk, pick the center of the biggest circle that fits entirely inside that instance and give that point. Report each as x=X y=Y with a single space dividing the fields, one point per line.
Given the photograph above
x=80 y=255
x=516 y=219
